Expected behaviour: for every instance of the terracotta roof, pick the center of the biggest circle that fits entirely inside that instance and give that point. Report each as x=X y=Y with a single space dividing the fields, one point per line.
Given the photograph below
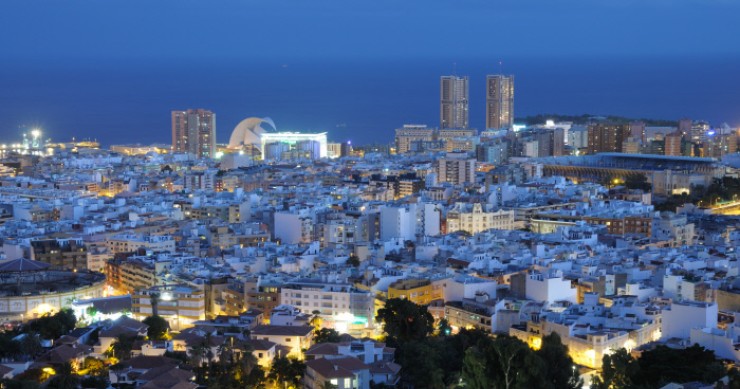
x=336 y=368
x=282 y=330
x=65 y=353
x=259 y=344
x=143 y=362
x=382 y=367
x=323 y=349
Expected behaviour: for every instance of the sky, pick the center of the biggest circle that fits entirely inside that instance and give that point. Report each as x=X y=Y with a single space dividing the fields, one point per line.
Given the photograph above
x=118 y=64
x=167 y=30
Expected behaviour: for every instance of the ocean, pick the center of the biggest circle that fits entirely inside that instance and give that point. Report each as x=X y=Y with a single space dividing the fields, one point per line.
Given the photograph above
x=129 y=101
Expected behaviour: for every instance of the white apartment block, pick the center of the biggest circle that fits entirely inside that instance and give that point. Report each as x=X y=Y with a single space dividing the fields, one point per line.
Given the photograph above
x=340 y=305
x=477 y=219
x=682 y=317
x=180 y=305
x=549 y=287
x=126 y=243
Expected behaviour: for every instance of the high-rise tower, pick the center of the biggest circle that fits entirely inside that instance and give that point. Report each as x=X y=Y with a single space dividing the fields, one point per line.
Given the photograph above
x=453 y=102
x=194 y=131
x=499 y=101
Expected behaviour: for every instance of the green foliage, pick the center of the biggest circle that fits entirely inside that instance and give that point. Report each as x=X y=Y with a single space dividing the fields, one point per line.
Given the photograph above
x=664 y=364
x=93 y=382
x=91 y=311
x=560 y=371
x=326 y=335
x=504 y=362
x=64 y=379
x=443 y=327
x=287 y=371
x=19 y=384
x=658 y=367
x=94 y=367
x=52 y=326
x=181 y=356
x=158 y=327
x=404 y=321
x=638 y=181
x=618 y=371
x=123 y=346
x=420 y=364
x=353 y=261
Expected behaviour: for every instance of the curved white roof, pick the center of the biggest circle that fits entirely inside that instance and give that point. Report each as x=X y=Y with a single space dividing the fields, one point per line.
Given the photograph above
x=248 y=132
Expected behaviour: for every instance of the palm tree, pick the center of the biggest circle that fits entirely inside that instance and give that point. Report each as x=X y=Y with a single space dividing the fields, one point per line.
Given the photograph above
x=226 y=351
x=198 y=354
x=154 y=300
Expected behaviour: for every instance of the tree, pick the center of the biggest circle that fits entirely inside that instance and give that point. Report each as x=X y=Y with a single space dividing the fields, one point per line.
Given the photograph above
x=420 y=364
x=158 y=327
x=637 y=181
x=123 y=346
x=443 y=327
x=65 y=378
x=353 y=261
x=618 y=371
x=154 y=300
x=326 y=335
x=663 y=365
x=94 y=366
x=53 y=326
x=287 y=371
x=560 y=371
x=404 y=321
x=505 y=363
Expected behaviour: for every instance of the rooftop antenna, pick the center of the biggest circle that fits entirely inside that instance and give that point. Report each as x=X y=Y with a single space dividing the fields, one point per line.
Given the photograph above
x=500 y=67
x=454 y=68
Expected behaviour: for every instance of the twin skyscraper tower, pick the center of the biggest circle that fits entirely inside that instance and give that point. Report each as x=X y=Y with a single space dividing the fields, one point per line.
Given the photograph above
x=453 y=102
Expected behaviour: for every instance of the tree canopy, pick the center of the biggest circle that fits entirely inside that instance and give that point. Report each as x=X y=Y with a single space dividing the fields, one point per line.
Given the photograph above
x=158 y=327
x=404 y=321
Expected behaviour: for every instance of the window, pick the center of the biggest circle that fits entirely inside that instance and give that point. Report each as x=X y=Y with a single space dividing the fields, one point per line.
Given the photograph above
x=287 y=340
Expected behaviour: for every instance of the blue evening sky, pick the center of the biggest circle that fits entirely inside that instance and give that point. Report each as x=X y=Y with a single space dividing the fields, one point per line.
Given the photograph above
x=164 y=30
x=113 y=69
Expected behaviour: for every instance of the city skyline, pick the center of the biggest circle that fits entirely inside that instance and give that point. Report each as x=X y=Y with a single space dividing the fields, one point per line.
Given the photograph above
x=102 y=72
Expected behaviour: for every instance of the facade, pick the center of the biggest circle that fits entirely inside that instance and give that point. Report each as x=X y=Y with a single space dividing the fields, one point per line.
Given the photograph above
x=63 y=254
x=456 y=171
x=476 y=219
x=453 y=102
x=418 y=291
x=342 y=306
x=412 y=133
x=180 y=305
x=135 y=273
x=606 y=138
x=682 y=317
x=313 y=145
x=673 y=144
x=499 y=101
x=194 y=132
x=128 y=243
x=30 y=289
x=295 y=338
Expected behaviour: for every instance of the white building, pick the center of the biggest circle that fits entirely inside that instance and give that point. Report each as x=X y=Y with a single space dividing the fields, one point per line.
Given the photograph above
x=474 y=219
x=549 y=287
x=682 y=317
x=406 y=222
x=342 y=307
x=292 y=139
x=126 y=243
x=455 y=169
